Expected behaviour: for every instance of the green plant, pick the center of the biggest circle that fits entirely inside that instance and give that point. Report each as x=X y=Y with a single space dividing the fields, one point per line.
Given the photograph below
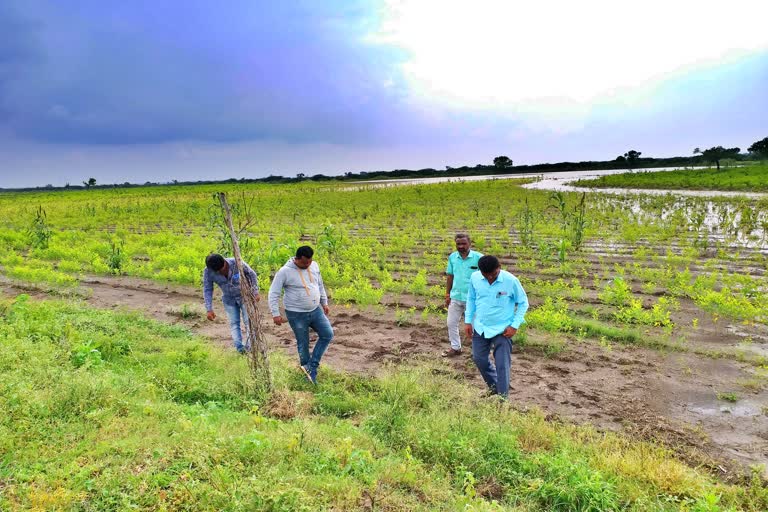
x=728 y=396
x=116 y=257
x=330 y=239
x=578 y=223
x=527 y=225
x=404 y=317
x=38 y=233
x=616 y=293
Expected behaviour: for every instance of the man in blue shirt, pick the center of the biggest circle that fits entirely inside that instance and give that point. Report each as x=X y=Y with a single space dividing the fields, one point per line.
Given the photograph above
x=462 y=263
x=223 y=272
x=496 y=306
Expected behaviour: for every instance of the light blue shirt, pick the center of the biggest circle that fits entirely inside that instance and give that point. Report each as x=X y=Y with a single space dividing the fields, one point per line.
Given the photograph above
x=491 y=308
x=461 y=269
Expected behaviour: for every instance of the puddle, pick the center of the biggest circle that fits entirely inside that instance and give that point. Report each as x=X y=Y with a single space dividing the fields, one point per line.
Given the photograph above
x=740 y=409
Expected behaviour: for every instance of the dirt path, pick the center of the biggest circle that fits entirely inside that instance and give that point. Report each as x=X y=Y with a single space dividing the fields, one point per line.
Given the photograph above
x=667 y=396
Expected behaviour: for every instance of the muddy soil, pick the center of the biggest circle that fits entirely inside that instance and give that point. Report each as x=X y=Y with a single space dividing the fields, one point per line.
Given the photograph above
x=668 y=396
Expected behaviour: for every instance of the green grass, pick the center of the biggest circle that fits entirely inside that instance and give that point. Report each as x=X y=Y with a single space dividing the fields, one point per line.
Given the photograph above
x=110 y=411
x=748 y=178
x=728 y=396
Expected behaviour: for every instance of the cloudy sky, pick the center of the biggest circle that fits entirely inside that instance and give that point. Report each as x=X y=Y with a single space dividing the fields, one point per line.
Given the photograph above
x=169 y=89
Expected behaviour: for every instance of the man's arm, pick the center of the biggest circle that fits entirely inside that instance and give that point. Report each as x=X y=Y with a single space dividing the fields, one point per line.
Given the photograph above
x=275 y=291
x=207 y=290
x=448 y=288
x=469 y=313
x=521 y=304
x=253 y=279
x=323 y=295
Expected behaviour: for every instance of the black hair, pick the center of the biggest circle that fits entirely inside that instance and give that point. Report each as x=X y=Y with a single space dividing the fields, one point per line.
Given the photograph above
x=304 y=251
x=459 y=236
x=214 y=262
x=488 y=264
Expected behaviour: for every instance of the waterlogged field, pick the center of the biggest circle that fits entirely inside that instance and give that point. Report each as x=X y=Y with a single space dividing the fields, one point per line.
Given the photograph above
x=648 y=319
x=750 y=178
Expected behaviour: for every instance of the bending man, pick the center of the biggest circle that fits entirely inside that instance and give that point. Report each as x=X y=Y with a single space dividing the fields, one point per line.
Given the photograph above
x=223 y=272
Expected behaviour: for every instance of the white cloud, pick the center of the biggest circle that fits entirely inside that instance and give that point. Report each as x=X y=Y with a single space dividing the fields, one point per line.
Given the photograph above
x=558 y=57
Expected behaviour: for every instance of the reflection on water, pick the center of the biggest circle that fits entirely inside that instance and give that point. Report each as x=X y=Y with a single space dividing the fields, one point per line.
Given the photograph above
x=561 y=182
x=716 y=217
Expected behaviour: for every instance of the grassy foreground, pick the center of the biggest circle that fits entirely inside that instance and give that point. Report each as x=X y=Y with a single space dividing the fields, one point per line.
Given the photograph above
x=112 y=411
x=751 y=178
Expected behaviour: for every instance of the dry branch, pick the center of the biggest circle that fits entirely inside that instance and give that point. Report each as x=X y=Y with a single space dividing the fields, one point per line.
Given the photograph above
x=258 y=358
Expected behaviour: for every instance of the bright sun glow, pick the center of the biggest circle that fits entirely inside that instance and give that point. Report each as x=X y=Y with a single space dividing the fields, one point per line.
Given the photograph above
x=507 y=53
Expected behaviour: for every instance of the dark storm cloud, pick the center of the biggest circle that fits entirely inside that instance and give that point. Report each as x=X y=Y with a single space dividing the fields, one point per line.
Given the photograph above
x=147 y=72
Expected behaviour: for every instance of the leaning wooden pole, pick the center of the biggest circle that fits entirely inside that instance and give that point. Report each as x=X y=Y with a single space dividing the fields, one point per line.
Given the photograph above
x=258 y=358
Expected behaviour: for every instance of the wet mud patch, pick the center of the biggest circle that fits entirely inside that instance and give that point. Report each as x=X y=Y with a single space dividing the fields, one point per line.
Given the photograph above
x=673 y=397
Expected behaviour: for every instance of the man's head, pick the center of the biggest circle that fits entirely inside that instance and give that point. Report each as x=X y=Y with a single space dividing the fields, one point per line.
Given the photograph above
x=463 y=243
x=490 y=267
x=216 y=262
x=303 y=257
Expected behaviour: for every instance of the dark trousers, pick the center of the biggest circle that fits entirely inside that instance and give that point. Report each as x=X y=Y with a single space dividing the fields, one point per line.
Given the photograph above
x=496 y=376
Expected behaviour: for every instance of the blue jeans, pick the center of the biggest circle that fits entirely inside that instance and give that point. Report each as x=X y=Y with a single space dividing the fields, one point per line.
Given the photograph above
x=495 y=376
x=234 y=313
x=301 y=322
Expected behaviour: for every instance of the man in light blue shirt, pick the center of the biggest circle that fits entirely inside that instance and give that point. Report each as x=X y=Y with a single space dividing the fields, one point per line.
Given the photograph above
x=496 y=306
x=462 y=263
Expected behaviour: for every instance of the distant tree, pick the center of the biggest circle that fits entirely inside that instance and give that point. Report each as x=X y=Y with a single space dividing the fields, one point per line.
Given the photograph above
x=301 y=176
x=502 y=162
x=631 y=157
x=760 y=148
x=718 y=153
x=90 y=183
x=696 y=151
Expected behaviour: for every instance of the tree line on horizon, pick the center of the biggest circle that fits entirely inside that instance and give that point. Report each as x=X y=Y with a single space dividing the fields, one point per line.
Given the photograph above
x=502 y=165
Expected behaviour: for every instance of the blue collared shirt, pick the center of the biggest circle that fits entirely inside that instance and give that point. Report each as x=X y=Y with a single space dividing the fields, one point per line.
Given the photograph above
x=231 y=294
x=461 y=269
x=491 y=308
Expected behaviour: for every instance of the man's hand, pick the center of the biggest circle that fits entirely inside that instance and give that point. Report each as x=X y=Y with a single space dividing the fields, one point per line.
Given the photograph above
x=257 y=297
x=447 y=300
x=326 y=309
x=279 y=320
x=509 y=332
x=211 y=315
x=468 y=329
